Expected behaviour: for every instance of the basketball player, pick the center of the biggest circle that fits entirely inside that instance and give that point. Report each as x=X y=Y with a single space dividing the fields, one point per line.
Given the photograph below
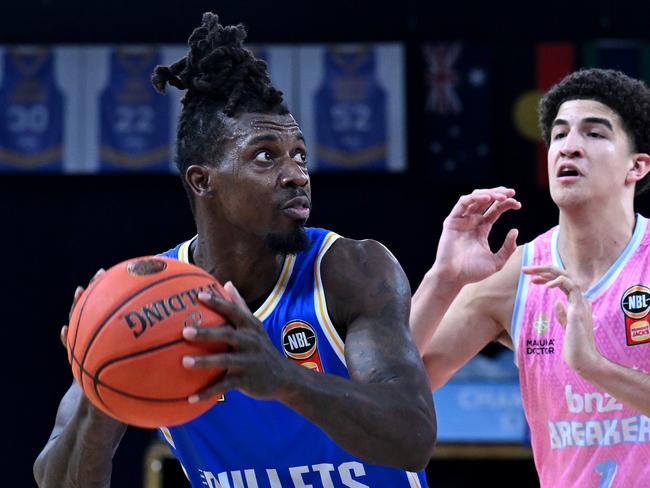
x=324 y=386
x=574 y=302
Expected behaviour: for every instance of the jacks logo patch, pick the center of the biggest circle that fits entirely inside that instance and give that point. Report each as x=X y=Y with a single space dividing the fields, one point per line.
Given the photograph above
x=300 y=343
x=635 y=304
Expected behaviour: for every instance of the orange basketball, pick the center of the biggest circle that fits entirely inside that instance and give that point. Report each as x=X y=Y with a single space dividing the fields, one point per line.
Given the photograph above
x=125 y=342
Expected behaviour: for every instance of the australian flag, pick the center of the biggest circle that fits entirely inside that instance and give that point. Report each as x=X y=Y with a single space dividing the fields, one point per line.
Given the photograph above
x=458 y=113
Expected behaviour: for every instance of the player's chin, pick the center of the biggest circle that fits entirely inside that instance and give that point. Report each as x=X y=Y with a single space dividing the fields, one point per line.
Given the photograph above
x=288 y=241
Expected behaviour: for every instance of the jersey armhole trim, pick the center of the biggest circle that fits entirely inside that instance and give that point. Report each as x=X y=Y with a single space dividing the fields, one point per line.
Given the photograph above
x=520 y=300
x=320 y=301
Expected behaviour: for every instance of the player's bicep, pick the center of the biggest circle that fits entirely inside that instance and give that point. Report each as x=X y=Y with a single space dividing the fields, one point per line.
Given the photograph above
x=480 y=314
x=465 y=330
x=369 y=295
x=377 y=352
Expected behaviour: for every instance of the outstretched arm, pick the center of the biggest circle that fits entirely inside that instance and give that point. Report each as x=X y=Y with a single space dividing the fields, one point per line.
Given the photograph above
x=463 y=257
x=384 y=413
x=579 y=350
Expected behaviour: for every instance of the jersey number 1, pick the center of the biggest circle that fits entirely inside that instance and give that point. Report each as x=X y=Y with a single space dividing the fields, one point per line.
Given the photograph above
x=607 y=471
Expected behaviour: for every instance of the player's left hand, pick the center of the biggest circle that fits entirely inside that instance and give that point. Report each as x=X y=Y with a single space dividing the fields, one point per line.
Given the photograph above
x=579 y=348
x=254 y=366
x=464 y=254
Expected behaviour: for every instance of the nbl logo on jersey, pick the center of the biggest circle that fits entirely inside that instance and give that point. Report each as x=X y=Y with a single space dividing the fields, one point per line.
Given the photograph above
x=636 y=307
x=300 y=343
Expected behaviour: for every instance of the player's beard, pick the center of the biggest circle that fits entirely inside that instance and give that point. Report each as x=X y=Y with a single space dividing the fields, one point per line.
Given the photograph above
x=291 y=242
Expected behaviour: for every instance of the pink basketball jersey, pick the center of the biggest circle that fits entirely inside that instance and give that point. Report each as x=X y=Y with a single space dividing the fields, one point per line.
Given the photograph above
x=580 y=435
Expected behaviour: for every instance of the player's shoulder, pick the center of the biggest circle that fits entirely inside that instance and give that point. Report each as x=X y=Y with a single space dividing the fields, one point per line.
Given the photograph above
x=354 y=267
x=343 y=250
x=363 y=277
x=348 y=253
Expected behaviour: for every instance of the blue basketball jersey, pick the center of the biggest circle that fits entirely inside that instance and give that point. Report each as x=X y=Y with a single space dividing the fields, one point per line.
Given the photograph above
x=31 y=112
x=351 y=112
x=135 y=120
x=246 y=443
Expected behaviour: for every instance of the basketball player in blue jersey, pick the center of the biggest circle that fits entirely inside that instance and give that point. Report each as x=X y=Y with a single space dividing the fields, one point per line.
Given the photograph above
x=324 y=386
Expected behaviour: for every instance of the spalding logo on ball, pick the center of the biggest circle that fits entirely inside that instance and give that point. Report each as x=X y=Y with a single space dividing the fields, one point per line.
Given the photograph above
x=125 y=343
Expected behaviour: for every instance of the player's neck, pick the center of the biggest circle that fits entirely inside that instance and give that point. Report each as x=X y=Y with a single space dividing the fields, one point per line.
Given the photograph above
x=592 y=238
x=250 y=265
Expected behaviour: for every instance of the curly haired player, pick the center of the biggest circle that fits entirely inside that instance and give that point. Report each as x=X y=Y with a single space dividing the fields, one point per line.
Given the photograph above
x=582 y=340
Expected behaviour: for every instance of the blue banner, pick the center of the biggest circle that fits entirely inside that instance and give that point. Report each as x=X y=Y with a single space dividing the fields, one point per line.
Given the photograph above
x=350 y=112
x=135 y=120
x=31 y=112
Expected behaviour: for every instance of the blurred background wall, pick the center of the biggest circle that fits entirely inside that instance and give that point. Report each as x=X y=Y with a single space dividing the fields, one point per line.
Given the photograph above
x=444 y=104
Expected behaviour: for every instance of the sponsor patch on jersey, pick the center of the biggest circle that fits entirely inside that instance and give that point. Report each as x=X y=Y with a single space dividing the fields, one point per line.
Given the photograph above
x=635 y=304
x=540 y=345
x=540 y=325
x=300 y=343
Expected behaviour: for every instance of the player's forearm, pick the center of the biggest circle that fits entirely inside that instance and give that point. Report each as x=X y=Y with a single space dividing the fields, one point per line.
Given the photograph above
x=627 y=385
x=80 y=456
x=429 y=304
x=386 y=423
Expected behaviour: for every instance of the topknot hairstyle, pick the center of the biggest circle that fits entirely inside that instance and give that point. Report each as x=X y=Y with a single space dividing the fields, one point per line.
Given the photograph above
x=222 y=79
x=628 y=97
x=218 y=66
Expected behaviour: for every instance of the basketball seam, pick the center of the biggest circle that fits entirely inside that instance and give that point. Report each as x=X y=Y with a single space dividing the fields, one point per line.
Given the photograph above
x=76 y=330
x=97 y=381
x=118 y=307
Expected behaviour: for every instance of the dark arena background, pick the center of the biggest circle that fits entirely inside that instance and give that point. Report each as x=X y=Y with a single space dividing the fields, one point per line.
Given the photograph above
x=456 y=86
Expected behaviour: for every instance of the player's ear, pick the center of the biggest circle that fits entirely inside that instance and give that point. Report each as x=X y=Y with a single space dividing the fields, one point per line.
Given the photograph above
x=640 y=167
x=199 y=179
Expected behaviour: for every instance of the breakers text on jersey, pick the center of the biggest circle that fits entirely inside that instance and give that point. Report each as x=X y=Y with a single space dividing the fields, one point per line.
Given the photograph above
x=596 y=432
x=345 y=474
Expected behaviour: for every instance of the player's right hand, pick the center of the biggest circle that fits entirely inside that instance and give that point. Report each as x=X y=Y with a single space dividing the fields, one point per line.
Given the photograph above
x=464 y=253
x=63 y=334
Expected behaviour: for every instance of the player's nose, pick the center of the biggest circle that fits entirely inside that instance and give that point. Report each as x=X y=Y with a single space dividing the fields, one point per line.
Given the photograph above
x=293 y=174
x=572 y=145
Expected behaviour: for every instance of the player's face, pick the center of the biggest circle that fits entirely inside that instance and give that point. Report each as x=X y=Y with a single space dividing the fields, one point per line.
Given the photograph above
x=589 y=154
x=263 y=184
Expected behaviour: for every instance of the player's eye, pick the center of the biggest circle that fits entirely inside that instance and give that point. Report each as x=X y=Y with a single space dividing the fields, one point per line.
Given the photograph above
x=263 y=156
x=300 y=157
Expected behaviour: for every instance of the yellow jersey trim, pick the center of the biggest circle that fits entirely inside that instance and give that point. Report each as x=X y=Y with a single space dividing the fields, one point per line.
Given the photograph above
x=168 y=436
x=272 y=300
x=321 y=302
x=184 y=250
x=414 y=481
x=278 y=290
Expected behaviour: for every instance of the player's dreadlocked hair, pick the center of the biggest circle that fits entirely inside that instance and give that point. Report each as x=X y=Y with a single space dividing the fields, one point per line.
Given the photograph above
x=628 y=97
x=222 y=79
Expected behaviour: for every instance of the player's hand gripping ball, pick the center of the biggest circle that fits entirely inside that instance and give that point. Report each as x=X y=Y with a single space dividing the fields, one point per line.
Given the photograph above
x=125 y=341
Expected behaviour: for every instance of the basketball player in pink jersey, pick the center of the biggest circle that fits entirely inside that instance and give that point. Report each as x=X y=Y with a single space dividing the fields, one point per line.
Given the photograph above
x=573 y=304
